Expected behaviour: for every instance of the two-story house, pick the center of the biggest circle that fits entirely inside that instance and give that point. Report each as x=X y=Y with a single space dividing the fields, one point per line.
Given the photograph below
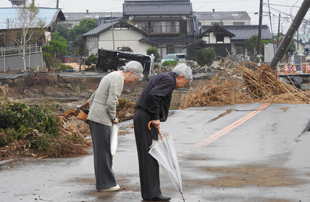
x=226 y=39
x=170 y=24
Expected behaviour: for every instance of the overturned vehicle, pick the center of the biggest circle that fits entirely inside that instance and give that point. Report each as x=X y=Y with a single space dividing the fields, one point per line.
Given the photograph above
x=109 y=60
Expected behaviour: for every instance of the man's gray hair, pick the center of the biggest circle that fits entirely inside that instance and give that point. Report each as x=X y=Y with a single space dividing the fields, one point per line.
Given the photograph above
x=133 y=66
x=183 y=69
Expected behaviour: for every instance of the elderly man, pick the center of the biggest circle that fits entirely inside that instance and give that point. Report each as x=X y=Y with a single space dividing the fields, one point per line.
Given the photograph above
x=153 y=105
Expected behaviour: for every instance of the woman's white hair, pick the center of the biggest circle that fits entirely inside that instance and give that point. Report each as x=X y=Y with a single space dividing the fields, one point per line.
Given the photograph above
x=133 y=66
x=183 y=69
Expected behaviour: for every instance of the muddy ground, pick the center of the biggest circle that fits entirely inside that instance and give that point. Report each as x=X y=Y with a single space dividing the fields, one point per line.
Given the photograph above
x=66 y=93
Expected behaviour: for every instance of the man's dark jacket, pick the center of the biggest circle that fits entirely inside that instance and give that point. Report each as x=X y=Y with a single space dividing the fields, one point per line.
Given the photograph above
x=156 y=95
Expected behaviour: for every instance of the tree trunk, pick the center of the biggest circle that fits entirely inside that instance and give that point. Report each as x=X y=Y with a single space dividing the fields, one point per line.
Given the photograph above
x=52 y=60
x=24 y=58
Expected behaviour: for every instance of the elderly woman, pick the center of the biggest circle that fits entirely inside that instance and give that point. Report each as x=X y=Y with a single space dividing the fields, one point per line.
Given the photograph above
x=153 y=105
x=102 y=114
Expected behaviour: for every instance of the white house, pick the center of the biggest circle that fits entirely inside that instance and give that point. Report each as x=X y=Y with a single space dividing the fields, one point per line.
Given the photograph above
x=113 y=35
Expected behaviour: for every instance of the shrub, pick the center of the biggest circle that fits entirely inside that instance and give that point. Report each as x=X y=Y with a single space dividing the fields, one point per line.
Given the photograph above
x=64 y=67
x=154 y=51
x=205 y=56
x=18 y=119
x=92 y=59
x=91 y=68
x=170 y=63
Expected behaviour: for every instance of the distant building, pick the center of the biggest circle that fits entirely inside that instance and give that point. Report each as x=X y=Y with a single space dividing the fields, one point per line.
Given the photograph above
x=223 y=18
x=74 y=18
x=170 y=24
x=10 y=53
x=114 y=35
x=226 y=39
x=173 y=27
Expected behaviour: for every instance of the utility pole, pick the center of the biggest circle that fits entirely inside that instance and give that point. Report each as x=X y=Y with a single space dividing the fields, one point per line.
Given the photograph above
x=112 y=32
x=57 y=6
x=278 y=31
x=260 y=31
x=290 y=34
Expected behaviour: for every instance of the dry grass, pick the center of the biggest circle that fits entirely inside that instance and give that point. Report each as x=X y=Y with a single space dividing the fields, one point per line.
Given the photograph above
x=240 y=84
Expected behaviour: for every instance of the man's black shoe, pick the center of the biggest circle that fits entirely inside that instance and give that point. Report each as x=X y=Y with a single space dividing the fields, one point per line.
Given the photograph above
x=159 y=198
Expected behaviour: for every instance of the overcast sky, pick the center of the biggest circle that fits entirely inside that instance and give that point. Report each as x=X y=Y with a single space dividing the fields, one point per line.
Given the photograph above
x=285 y=7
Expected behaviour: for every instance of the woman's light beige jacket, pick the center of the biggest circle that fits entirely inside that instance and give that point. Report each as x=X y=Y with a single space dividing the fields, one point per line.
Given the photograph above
x=103 y=101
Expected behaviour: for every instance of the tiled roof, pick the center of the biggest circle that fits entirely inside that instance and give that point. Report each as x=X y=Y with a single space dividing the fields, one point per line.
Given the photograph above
x=218 y=28
x=107 y=26
x=172 y=39
x=243 y=32
x=157 y=7
x=48 y=14
x=193 y=26
x=94 y=15
x=222 y=15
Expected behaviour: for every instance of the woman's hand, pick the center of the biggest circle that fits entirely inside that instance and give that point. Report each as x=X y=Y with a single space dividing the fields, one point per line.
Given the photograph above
x=156 y=123
x=115 y=121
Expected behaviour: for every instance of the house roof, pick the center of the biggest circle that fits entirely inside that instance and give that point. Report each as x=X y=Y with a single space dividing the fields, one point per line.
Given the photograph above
x=243 y=32
x=222 y=15
x=50 y=15
x=146 y=40
x=171 y=39
x=194 y=44
x=77 y=16
x=157 y=7
x=217 y=30
x=193 y=26
x=104 y=27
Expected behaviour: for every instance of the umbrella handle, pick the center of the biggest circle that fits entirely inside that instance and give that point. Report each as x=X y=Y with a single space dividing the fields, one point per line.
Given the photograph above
x=149 y=126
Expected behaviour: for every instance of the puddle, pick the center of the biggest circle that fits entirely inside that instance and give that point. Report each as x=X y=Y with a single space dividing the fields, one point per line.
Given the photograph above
x=228 y=111
x=249 y=176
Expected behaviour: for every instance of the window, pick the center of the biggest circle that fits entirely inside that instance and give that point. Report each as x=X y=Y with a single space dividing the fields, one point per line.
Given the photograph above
x=220 y=38
x=155 y=27
x=219 y=23
x=159 y=26
x=238 y=23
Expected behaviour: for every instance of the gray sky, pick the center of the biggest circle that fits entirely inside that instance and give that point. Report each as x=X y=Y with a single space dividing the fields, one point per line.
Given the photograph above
x=285 y=7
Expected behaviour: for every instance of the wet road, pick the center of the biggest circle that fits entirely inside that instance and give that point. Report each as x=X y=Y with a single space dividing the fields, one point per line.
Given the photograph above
x=226 y=154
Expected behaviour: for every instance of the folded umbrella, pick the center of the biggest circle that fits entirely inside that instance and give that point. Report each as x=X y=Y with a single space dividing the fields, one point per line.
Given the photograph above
x=164 y=152
x=113 y=139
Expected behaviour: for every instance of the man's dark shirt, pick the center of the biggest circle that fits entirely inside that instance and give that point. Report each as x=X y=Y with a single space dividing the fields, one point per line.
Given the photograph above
x=156 y=95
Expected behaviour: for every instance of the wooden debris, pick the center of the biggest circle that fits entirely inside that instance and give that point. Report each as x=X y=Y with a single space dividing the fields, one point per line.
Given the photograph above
x=240 y=84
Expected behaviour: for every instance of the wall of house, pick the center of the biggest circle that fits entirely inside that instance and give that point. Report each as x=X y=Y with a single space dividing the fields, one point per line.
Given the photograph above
x=124 y=37
x=212 y=38
x=226 y=39
x=92 y=47
x=206 y=39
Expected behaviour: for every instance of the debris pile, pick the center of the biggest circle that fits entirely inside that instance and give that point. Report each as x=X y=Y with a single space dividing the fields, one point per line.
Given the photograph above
x=240 y=84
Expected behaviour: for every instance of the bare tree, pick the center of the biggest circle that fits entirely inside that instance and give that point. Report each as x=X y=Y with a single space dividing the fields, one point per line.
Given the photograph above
x=25 y=24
